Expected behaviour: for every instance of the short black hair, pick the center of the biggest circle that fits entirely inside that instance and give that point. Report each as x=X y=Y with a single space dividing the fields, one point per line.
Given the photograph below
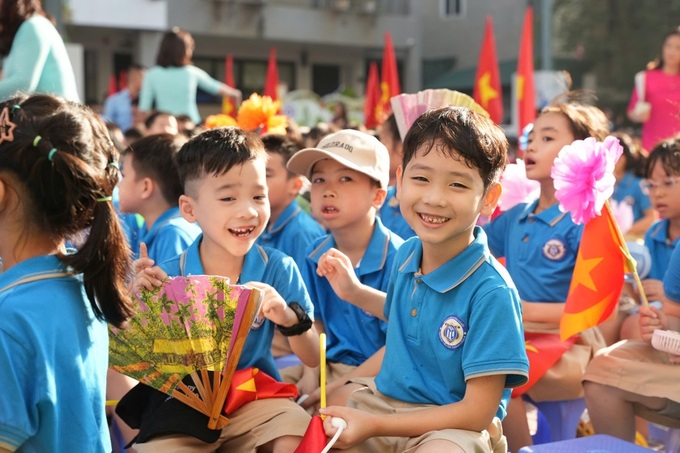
x=216 y=151
x=155 y=159
x=463 y=133
x=667 y=153
x=282 y=145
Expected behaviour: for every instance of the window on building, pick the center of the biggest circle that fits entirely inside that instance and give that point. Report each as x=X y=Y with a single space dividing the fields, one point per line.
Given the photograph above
x=452 y=8
x=325 y=78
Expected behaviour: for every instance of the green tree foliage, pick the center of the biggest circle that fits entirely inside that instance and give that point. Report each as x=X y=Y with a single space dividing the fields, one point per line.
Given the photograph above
x=615 y=38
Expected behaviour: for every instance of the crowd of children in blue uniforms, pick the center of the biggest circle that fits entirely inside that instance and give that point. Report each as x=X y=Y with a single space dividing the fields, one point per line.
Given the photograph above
x=425 y=328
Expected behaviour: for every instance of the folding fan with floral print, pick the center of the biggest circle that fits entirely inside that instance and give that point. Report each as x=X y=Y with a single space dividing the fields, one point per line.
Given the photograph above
x=188 y=326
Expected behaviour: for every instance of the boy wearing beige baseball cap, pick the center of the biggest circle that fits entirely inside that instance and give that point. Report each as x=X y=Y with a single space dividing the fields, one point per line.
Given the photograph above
x=349 y=172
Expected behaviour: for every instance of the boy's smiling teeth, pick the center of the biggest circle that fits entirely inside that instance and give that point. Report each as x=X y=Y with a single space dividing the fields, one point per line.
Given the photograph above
x=433 y=219
x=241 y=231
x=329 y=209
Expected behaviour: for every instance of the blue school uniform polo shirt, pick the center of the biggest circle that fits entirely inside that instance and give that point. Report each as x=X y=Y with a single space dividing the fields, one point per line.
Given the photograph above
x=261 y=265
x=353 y=335
x=671 y=281
x=540 y=250
x=391 y=217
x=630 y=191
x=660 y=248
x=169 y=236
x=462 y=320
x=53 y=361
x=292 y=233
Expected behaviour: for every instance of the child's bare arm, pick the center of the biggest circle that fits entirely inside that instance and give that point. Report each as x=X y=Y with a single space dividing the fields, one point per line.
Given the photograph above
x=546 y=312
x=474 y=412
x=339 y=271
x=274 y=308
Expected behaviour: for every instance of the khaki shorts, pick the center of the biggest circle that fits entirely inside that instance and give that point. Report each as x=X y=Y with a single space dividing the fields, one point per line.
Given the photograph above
x=253 y=425
x=636 y=367
x=369 y=399
x=334 y=370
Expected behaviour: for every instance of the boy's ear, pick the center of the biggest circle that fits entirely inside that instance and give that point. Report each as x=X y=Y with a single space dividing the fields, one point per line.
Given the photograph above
x=148 y=186
x=400 y=174
x=379 y=198
x=296 y=184
x=186 y=208
x=493 y=194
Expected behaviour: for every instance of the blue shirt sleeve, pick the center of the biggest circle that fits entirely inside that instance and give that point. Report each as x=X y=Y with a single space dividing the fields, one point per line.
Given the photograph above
x=671 y=281
x=204 y=81
x=146 y=92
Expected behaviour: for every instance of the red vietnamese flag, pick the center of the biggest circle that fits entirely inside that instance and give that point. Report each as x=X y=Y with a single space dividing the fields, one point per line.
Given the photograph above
x=314 y=440
x=598 y=276
x=389 y=85
x=526 y=94
x=113 y=85
x=228 y=104
x=372 y=97
x=271 y=83
x=487 y=90
x=251 y=384
x=543 y=351
x=122 y=81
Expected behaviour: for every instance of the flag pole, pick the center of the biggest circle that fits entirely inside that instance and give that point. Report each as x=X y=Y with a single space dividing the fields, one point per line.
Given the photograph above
x=629 y=258
x=322 y=371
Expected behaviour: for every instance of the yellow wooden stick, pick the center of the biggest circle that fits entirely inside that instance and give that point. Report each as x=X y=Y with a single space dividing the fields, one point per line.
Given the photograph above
x=322 y=371
x=626 y=253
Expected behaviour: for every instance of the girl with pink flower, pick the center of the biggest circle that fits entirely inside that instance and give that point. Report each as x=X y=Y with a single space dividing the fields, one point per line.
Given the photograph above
x=540 y=245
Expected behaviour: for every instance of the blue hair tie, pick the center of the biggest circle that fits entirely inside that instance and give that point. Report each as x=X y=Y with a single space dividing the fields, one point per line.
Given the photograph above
x=53 y=151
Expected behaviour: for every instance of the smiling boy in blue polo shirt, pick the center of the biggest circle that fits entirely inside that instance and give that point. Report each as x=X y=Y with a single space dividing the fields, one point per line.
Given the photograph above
x=455 y=342
x=225 y=191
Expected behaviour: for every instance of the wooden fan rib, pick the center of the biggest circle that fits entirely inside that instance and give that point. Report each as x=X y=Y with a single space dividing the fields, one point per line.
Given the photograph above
x=232 y=360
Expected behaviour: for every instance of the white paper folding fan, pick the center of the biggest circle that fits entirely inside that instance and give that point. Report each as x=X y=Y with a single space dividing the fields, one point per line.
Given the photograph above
x=408 y=107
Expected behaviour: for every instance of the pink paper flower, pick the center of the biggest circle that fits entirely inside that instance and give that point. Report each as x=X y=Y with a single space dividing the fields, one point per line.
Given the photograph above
x=583 y=174
x=517 y=188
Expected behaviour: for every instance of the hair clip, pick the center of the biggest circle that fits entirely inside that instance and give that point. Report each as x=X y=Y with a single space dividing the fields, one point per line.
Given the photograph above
x=101 y=199
x=50 y=156
x=36 y=140
x=15 y=107
x=114 y=165
x=6 y=126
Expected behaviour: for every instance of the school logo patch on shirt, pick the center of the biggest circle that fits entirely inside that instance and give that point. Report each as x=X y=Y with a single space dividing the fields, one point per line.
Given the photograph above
x=452 y=332
x=554 y=249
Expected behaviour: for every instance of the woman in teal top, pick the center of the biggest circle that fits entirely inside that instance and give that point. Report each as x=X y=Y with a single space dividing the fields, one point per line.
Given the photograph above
x=171 y=85
x=35 y=56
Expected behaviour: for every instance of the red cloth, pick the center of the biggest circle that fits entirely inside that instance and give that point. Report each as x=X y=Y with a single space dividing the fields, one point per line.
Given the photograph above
x=487 y=91
x=389 y=85
x=251 y=384
x=526 y=94
x=122 y=81
x=543 y=351
x=314 y=440
x=372 y=97
x=271 y=83
x=598 y=276
x=228 y=104
x=113 y=85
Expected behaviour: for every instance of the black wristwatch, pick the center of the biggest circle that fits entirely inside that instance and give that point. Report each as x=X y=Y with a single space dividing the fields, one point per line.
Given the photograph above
x=303 y=325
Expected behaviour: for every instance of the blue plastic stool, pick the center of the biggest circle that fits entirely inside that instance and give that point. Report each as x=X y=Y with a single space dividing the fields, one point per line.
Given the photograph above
x=599 y=443
x=543 y=434
x=286 y=360
x=562 y=416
